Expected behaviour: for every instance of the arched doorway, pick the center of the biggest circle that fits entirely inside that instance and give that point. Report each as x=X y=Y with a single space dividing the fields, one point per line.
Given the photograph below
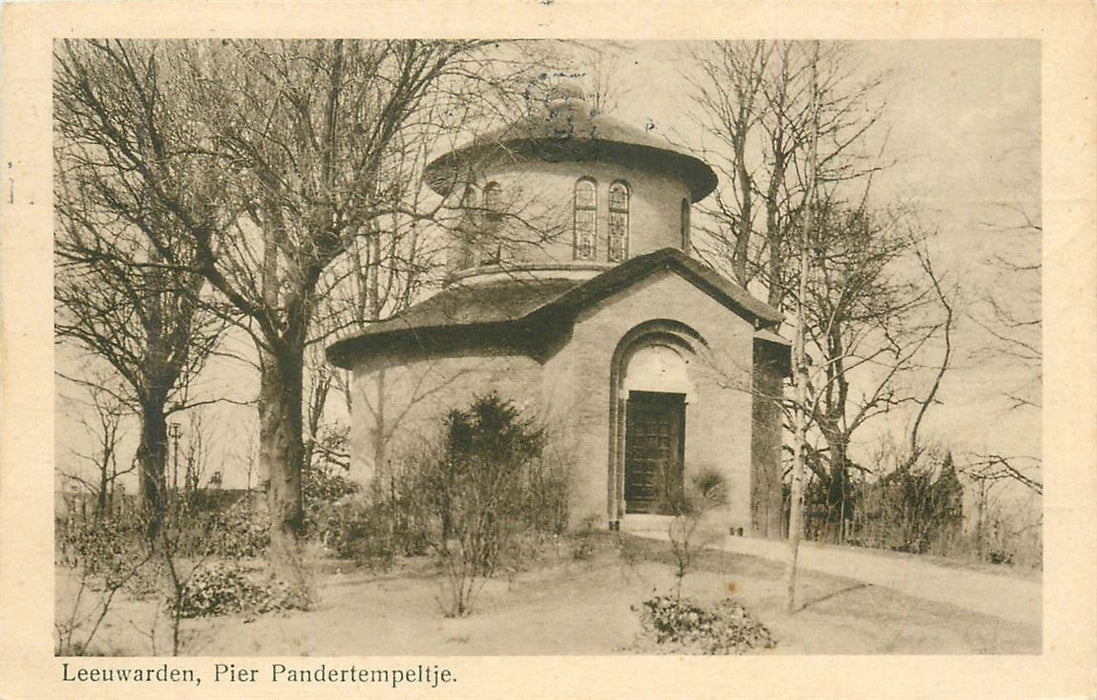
x=650 y=394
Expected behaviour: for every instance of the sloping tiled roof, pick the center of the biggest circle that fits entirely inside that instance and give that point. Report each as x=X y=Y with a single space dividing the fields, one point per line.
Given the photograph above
x=703 y=276
x=771 y=336
x=514 y=310
x=492 y=302
x=454 y=314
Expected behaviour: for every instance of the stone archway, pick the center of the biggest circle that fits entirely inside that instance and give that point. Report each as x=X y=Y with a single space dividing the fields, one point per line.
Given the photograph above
x=650 y=389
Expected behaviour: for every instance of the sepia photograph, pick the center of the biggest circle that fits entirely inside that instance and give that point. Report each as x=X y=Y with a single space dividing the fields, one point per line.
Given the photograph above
x=494 y=347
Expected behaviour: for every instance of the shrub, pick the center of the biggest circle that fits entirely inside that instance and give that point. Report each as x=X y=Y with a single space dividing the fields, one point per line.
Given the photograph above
x=484 y=497
x=223 y=589
x=110 y=552
x=372 y=528
x=706 y=490
x=241 y=532
x=679 y=625
x=914 y=506
x=489 y=490
x=372 y=533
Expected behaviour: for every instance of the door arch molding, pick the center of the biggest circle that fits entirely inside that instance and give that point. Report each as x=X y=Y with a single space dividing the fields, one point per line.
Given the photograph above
x=656 y=332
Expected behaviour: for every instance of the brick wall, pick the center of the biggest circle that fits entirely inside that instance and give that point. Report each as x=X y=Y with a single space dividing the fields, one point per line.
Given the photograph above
x=718 y=419
x=538 y=198
x=398 y=403
x=397 y=406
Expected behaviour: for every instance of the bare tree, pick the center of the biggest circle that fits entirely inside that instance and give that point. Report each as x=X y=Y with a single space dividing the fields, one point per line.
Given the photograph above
x=106 y=427
x=759 y=102
x=117 y=299
x=792 y=125
x=876 y=311
x=1008 y=311
x=271 y=158
x=381 y=273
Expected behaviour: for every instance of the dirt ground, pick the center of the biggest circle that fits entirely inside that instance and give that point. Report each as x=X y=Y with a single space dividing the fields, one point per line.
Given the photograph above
x=571 y=606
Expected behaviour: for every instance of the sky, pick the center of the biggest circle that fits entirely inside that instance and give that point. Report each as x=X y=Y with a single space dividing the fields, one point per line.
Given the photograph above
x=962 y=122
x=963 y=131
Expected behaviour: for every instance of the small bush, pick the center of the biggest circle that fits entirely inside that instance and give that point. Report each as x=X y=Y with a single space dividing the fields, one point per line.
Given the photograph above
x=223 y=589
x=111 y=552
x=706 y=490
x=492 y=493
x=241 y=532
x=679 y=625
x=369 y=533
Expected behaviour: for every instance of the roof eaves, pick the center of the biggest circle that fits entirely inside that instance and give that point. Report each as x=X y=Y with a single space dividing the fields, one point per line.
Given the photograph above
x=769 y=336
x=605 y=284
x=505 y=333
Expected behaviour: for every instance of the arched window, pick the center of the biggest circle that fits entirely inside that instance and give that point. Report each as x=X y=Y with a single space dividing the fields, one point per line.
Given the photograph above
x=618 y=221
x=493 y=199
x=685 y=226
x=491 y=247
x=586 y=219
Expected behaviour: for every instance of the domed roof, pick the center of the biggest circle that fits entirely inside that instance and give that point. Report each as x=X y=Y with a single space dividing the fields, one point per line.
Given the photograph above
x=568 y=129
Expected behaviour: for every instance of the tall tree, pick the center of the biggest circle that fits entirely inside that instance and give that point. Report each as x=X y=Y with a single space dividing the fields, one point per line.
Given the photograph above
x=799 y=352
x=271 y=158
x=117 y=299
x=791 y=124
x=759 y=102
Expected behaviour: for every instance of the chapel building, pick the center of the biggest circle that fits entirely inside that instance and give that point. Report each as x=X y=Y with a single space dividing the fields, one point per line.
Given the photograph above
x=572 y=292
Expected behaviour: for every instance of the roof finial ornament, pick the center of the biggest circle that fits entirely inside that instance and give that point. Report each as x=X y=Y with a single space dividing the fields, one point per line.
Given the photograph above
x=566 y=112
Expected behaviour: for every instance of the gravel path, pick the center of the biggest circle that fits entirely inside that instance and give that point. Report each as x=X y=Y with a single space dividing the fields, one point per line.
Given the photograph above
x=1002 y=596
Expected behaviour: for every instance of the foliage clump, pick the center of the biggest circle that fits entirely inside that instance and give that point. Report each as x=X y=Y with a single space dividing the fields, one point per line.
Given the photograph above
x=324 y=485
x=681 y=626
x=240 y=532
x=223 y=589
x=371 y=528
x=372 y=532
x=916 y=507
x=108 y=552
x=490 y=490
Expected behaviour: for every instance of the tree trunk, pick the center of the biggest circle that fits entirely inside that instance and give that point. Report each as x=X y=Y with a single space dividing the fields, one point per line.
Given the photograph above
x=799 y=359
x=151 y=462
x=101 y=496
x=281 y=451
x=836 y=493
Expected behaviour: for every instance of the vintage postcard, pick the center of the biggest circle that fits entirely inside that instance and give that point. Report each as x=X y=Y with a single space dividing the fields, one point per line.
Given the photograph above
x=549 y=349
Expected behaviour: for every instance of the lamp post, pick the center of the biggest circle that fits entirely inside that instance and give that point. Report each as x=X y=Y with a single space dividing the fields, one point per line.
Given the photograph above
x=174 y=431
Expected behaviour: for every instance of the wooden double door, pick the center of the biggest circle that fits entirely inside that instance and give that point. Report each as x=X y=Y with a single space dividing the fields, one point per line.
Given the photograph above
x=655 y=444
